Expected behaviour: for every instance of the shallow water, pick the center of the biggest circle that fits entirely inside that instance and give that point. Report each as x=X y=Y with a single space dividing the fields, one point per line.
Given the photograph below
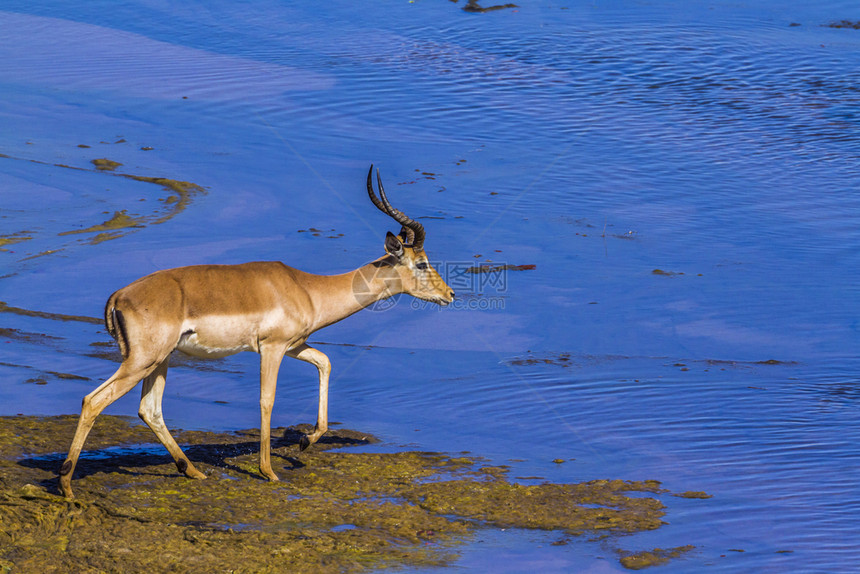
x=714 y=142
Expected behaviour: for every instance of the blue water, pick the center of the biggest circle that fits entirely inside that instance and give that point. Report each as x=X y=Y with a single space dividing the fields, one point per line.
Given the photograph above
x=717 y=142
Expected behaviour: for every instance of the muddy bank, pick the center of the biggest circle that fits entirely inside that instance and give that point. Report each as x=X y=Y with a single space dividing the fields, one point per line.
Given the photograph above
x=332 y=511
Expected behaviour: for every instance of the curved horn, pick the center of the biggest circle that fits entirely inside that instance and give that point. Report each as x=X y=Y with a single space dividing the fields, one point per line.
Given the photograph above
x=372 y=193
x=414 y=231
x=408 y=234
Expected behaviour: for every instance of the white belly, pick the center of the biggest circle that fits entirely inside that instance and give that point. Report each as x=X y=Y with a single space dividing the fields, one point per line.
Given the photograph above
x=190 y=344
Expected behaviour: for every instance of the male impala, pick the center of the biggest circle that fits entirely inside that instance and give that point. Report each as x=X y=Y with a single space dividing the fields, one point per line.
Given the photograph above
x=266 y=307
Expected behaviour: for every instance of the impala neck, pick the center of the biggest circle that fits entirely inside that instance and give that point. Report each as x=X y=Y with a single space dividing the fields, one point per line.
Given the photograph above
x=339 y=296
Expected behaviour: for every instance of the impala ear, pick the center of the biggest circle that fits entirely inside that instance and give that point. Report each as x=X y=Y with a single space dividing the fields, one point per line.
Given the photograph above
x=393 y=245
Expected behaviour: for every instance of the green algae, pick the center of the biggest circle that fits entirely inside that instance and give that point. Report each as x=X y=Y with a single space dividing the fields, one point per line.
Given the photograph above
x=846 y=24
x=13 y=238
x=185 y=192
x=107 y=236
x=181 y=195
x=499 y=268
x=25 y=336
x=665 y=273
x=67 y=376
x=575 y=508
x=332 y=511
x=559 y=359
x=694 y=494
x=655 y=557
x=5 y=308
x=105 y=164
x=474 y=7
x=119 y=220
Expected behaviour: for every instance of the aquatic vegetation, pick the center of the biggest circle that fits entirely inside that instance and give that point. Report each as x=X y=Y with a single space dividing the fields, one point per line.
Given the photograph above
x=181 y=194
x=473 y=6
x=498 y=268
x=5 y=308
x=559 y=359
x=693 y=494
x=120 y=220
x=184 y=190
x=105 y=164
x=334 y=511
x=665 y=273
x=851 y=24
x=13 y=238
x=648 y=558
x=318 y=232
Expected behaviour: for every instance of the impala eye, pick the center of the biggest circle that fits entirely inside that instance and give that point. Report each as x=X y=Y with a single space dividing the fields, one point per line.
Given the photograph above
x=422 y=265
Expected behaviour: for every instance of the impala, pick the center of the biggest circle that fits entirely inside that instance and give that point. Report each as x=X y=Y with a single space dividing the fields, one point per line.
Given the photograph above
x=267 y=307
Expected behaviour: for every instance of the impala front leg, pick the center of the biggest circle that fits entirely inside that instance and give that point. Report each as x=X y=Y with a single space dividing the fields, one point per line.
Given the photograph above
x=318 y=359
x=270 y=362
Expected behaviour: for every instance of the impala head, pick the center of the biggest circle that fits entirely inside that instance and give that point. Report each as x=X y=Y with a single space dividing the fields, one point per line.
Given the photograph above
x=406 y=251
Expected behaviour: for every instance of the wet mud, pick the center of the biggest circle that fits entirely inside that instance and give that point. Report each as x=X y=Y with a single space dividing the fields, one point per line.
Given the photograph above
x=332 y=511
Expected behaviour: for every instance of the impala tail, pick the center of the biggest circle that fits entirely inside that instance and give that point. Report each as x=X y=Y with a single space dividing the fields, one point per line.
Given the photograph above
x=115 y=324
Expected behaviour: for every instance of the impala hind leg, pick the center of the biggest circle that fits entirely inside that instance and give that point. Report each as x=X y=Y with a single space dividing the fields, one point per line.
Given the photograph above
x=150 y=413
x=121 y=382
x=323 y=365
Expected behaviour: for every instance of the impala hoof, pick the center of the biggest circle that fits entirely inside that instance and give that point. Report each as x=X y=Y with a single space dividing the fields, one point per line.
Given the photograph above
x=304 y=443
x=66 y=491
